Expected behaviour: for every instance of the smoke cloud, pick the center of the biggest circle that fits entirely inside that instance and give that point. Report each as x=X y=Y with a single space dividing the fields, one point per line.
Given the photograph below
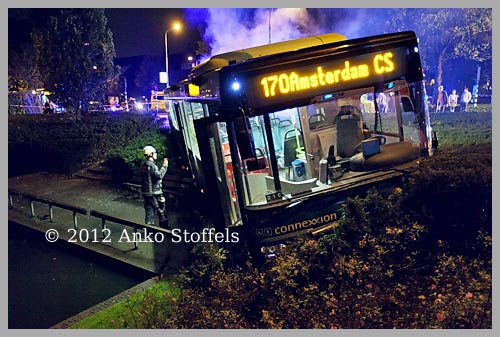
x=232 y=29
x=227 y=29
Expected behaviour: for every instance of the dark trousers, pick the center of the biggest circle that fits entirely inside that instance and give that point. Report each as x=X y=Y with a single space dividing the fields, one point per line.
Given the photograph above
x=154 y=204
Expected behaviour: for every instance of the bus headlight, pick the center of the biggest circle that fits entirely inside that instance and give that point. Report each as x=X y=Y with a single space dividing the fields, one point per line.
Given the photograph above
x=236 y=86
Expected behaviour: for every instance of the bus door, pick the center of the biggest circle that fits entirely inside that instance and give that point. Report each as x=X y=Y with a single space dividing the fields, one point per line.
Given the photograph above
x=274 y=158
x=224 y=172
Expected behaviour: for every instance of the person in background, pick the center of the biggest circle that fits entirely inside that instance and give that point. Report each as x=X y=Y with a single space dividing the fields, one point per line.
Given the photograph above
x=453 y=100
x=441 y=99
x=152 y=189
x=43 y=98
x=382 y=102
x=46 y=107
x=486 y=88
x=465 y=99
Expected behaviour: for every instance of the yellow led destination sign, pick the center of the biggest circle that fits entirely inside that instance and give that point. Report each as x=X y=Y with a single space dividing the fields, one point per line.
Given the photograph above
x=307 y=78
x=291 y=82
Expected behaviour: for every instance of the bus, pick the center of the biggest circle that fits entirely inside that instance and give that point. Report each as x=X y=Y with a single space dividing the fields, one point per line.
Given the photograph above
x=279 y=136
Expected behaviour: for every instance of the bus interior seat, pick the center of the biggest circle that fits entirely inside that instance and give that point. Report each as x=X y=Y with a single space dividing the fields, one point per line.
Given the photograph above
x=259 y=163
x=349 y=131
x=290 y=148
x=276 y=134
x=316 y=121
x=283 y=127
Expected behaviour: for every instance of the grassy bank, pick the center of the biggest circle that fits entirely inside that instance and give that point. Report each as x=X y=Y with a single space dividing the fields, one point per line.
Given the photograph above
x=464 y=128
x=138 y=311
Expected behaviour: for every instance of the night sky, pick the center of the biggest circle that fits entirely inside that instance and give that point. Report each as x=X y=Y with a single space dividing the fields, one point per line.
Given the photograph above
x=139 y=31
x=136 y=31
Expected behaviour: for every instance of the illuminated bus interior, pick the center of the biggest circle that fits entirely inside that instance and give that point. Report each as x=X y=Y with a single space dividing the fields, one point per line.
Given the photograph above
x=315 y=146
x=327 y=142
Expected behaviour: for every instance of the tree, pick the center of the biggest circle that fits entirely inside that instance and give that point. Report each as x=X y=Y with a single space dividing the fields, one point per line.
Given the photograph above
x=147 y=75
x=74 y=52
x=447 y=33
x=203 y=49
x=23 y=72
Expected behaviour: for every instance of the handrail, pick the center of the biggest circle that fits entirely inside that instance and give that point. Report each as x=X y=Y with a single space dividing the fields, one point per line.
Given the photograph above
x=107 y=217
x=50 y=202
x=116 y=219
x=125 y=222
x=81 y=210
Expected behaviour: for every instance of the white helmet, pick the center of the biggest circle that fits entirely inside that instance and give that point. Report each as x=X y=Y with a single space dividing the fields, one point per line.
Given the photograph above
x=149 y=151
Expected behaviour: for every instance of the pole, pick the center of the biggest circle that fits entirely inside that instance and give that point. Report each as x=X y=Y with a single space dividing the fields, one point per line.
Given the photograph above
x=166 y=56
x=270 y=11
x=126 y=96
x=475 y=88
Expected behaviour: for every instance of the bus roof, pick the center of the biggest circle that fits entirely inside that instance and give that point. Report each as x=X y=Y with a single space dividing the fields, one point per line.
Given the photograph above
x=222 y=60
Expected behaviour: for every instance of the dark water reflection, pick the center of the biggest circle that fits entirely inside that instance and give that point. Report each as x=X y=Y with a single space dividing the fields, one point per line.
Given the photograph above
x=51 y=282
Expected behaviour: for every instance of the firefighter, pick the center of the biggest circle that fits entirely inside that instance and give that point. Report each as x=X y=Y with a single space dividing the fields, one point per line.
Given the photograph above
x=151 y=187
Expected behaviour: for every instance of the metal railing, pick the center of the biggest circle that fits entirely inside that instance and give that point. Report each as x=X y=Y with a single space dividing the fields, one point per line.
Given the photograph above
x=83 y=211
x=51 y=203
x=124 y=222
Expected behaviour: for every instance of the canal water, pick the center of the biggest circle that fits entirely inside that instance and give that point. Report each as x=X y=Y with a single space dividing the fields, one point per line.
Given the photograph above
x=51 y=282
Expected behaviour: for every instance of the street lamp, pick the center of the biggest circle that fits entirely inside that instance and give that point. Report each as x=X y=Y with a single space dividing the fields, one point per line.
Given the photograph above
x=175 y=27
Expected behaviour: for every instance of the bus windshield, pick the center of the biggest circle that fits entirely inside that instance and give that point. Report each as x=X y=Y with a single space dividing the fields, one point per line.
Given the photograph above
x=307 y=140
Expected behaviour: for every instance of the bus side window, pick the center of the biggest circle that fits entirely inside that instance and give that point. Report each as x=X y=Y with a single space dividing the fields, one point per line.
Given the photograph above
x=176 y=113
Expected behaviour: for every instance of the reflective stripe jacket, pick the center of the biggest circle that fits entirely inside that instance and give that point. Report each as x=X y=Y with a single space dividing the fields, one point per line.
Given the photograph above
x=151 y=178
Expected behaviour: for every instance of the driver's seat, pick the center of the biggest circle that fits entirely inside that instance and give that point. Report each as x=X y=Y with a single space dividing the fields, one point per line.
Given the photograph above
x=349 y=131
